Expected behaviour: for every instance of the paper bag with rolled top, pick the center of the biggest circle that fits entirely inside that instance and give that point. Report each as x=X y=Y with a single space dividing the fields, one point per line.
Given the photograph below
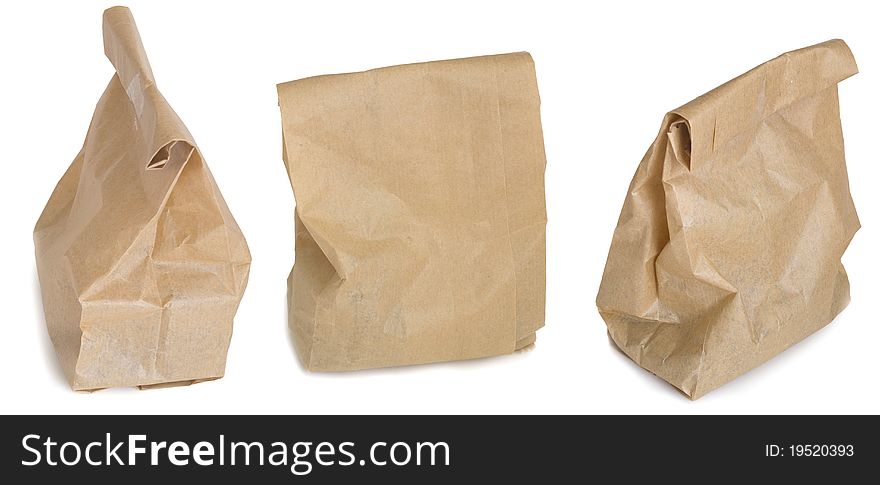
x=420 y=212
x=141 y=264
x=728 y=246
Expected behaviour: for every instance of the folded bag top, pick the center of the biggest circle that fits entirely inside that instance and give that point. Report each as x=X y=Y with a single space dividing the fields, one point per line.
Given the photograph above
x=420 y=213
x=728 y=246
x=141 y=264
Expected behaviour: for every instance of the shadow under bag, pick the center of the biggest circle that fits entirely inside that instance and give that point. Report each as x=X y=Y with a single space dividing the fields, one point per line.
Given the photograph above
x=141 y=264
x=728 y=246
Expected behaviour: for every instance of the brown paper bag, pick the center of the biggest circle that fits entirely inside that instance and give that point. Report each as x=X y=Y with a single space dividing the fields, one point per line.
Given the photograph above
x=141 y=264
x=419 y=212
x=728 y=247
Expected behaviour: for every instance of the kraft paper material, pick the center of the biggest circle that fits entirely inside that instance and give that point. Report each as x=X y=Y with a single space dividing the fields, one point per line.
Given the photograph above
x=141 y=264
x=728 y=246
x=420 y=215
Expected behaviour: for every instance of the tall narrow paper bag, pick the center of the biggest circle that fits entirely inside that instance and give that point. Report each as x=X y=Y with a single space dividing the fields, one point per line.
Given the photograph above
x=141 y=264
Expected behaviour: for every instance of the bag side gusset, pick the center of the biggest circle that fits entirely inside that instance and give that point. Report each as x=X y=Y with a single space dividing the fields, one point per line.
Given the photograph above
x=524 y=163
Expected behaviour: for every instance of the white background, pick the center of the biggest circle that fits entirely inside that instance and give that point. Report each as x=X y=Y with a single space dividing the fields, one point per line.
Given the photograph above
x=607 y=72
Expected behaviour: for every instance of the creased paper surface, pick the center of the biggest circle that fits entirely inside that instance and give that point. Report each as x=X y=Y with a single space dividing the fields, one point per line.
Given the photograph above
x=420 y=213
x=141 y=264
x=728 y=246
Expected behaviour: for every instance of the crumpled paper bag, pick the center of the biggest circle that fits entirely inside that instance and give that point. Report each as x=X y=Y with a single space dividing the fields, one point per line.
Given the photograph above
x=728 y=246
x=420 y=212
x=141 y=264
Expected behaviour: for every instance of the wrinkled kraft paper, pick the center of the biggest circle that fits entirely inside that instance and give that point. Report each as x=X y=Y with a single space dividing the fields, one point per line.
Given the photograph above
x=728 y=246
x=141 y=264
x=420 y=213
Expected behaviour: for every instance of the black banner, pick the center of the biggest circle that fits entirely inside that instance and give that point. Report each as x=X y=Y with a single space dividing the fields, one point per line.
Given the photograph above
x=397 y=449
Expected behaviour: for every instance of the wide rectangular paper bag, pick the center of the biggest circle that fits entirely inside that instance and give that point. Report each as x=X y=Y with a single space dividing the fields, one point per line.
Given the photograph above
x=728 y=247
x=141 y=264
x=420 y=212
